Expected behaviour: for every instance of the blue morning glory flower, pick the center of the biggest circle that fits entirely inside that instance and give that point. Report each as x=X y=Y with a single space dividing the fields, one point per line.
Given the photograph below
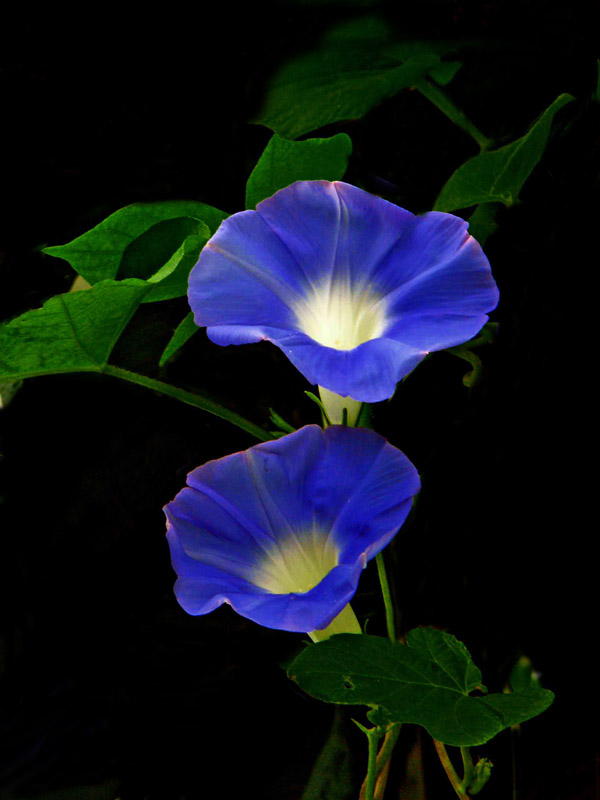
x=355 y=290
x=282 y=531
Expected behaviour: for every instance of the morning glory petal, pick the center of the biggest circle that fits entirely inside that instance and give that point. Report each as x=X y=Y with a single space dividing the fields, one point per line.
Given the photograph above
x=201 y=589
x=436 y=331
x=234 y=282
x=334 y=230
x=369 y=499
x=353 y=289
x=426 y=243
x=270 y=533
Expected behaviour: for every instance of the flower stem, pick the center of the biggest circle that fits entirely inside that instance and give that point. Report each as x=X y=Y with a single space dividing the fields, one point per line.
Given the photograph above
x=387 y=598
x=457 y=784
x=468 y=769
x=391 y=737
x=441 y=100
x=205 y=403
x=382 y=763
x=384 y=758
x=381 y=781
x=369 y=784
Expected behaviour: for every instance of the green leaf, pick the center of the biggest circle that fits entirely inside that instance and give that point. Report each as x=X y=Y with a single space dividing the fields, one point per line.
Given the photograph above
x=283 y=162
x=76 y=332
x=318 y=89
x=428 y=681
x=184 y=331
x=171 y=280
x=136 y=241
x=523 y=678
x=482 y=222
x=353 y=68
x=148 y=255
x=73 y=332
x=499 y=175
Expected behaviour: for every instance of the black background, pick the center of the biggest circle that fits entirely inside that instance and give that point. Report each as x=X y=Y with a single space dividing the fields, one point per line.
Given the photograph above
x=105 y=681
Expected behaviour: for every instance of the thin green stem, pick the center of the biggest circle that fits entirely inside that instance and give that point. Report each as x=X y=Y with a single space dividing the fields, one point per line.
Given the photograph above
x=450 y=771
x=391 y=737
x=468 y=768
x=440 y=100
x=383 y=758
x=205 y=403
x=387 y=598
x=369 y=785
x=381 y=782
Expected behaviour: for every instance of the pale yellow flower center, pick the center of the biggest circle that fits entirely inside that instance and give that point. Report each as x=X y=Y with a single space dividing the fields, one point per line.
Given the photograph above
x=297 y=563
x=339 y=316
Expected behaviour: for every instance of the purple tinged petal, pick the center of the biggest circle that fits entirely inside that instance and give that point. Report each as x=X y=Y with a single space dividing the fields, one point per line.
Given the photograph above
x=244 y=276
x=240 y=515
x=333 y=229
x=312 y=610
x=369 y=372
x=353 y=289
x=463 y=284
x=238 y=334
x=426 y=243
x=369 y=499
x=436 y=331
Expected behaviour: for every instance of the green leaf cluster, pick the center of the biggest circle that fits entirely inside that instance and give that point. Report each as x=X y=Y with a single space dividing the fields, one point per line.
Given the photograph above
x=141 y=253
x=352 y=69
x=144 y=252
x=155 y=242
x=429 y=681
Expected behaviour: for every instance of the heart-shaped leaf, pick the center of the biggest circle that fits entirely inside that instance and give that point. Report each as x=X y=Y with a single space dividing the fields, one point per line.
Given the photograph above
x=138 y=240
x=498 y=175
x=429 y=681
x=283 y=162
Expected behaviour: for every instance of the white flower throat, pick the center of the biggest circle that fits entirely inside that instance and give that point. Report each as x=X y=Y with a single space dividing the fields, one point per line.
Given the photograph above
x=340 y=316
x=297 y=563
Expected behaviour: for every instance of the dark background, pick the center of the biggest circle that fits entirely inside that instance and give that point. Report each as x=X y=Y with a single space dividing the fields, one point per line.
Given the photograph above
x=104 y=681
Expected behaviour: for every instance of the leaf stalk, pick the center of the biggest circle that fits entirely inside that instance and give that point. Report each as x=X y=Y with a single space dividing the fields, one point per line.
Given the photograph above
x=440 y=100
x=387 y=598
x=367 y=790
x=192 y=399
x=456 y=782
